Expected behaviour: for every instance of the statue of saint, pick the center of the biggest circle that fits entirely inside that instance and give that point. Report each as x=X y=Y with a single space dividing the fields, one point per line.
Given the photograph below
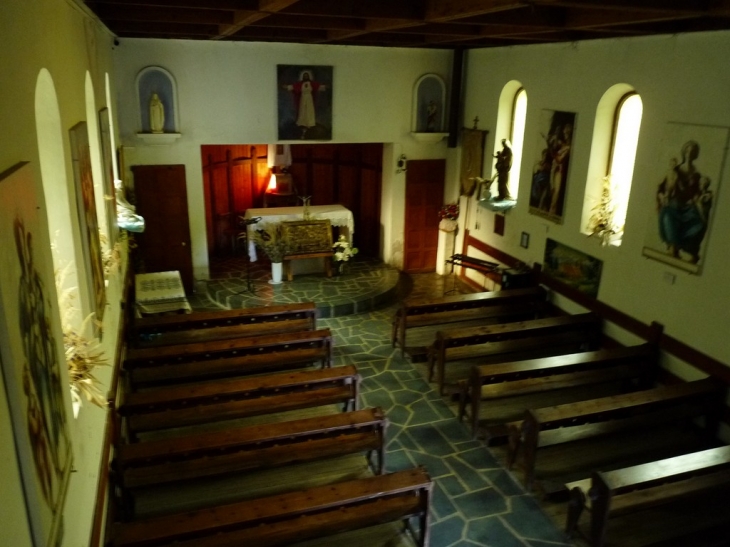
x=502 y=166
x=157 y=114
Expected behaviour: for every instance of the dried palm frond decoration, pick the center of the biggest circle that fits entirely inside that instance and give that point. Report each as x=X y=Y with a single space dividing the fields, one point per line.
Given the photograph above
x=83 y=354
x=601 y=222
x=111 y=259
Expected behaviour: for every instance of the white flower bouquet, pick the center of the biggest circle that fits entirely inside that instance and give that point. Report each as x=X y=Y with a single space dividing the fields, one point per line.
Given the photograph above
x=342 y=250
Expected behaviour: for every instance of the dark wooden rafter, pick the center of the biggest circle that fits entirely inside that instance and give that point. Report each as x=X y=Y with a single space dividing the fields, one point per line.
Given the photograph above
x=409 y=23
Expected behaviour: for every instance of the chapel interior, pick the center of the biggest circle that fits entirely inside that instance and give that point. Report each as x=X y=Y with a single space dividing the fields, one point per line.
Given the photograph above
x=426 y=189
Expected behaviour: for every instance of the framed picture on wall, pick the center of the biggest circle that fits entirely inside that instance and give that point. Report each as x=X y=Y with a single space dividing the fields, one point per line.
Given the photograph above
x=573 y=267
x=86 y=201
x=685 y=187
x=472 y=158
x=304 y=102
x=550 y=171
x=31 y=355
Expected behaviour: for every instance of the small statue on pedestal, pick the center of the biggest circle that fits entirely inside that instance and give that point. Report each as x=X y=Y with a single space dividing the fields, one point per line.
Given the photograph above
x=503 y=166
x=157 y=114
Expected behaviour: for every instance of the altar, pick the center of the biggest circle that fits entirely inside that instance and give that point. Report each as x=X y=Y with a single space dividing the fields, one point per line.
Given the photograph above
x=337 y=215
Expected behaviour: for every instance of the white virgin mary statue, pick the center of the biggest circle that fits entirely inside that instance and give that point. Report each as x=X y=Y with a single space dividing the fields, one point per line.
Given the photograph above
x=157 y=114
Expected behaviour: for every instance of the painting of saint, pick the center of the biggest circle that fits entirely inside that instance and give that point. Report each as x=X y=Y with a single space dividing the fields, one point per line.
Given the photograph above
x=87 y=216
x=304 y=102
x=550 y=171
x=684 y=193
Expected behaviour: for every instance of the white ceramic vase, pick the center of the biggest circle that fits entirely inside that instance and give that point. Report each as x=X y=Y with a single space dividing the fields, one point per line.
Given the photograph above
x=276 y=273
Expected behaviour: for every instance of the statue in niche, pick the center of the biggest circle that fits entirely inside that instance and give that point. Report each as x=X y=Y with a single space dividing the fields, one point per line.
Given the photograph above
x=503 y=166
x=431 y=111
x=157 y=114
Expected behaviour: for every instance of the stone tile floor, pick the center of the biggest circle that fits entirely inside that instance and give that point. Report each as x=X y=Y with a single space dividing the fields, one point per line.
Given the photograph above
x=476 y=501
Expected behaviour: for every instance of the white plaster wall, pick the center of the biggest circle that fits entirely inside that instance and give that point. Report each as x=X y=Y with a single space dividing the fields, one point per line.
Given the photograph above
x=59 y=36
x=682 y=78
x=227 y=95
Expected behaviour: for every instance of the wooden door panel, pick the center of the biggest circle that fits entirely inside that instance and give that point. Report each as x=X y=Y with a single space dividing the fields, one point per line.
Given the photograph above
x=161 y=195
x=424 y=196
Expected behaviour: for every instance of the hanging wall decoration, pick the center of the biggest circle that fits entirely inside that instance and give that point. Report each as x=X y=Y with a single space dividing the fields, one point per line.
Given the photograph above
x=304 y=102
x=86 y=205
x=472 y=158
x=685 y=187
x=31 y=355
x=550 y=171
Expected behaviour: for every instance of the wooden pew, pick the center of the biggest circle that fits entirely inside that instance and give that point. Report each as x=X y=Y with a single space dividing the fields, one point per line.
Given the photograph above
x=541 y=337
x=622 y=491
x=224 y=324
x=464 y=308
x=609 y=415
x=168 y=460
x=286 y=519
x=231 y=398
x=187 y=362
x=495 y=382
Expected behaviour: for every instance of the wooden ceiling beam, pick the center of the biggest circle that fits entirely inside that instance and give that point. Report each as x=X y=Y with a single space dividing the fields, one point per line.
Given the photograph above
x=163 y=15
x=449 y=10
x=688 y=7
x=227 y=5
x=180 y=30
x=583 y=19
x=368 y=9
x=243 y=18
x=303 y=21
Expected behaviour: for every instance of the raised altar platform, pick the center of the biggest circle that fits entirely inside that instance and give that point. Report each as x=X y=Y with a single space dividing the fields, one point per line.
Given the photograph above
x=366 y=285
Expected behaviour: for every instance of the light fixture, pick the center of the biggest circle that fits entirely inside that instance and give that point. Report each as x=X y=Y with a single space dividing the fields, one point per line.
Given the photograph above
x=402 y=164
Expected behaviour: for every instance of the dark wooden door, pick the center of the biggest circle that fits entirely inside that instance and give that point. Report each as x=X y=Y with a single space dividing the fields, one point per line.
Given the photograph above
x=162 y=200
x=424 y=196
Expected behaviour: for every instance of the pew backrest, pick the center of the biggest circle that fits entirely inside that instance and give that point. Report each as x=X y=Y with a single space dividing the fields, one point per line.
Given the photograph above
x=382 y=498
x=222 y=324
x=531 y=301
x=232 y=398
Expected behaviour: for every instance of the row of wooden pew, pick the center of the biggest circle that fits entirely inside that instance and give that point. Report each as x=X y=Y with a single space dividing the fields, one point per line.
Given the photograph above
x=209 y=397
x=548 y=385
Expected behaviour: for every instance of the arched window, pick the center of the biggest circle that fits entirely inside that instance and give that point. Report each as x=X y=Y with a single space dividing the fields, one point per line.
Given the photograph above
x=611 y=167
x=511 y=127
x=623 y=153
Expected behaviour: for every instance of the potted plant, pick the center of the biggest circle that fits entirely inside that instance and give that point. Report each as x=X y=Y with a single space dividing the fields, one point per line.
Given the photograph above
x=342 y=252
x=275 y=248
x=601 y=223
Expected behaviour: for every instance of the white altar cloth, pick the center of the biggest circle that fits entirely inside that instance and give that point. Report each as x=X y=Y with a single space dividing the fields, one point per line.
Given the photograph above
x=338 y=215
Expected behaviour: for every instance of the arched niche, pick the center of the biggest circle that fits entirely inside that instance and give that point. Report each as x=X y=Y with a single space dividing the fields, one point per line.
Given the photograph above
x=429 y=109
x=155 y=80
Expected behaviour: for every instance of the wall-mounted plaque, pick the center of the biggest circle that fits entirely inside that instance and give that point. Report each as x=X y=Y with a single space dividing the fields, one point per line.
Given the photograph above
x=307 y=236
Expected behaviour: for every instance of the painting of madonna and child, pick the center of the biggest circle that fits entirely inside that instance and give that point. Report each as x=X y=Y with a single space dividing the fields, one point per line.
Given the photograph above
x=304 y=102
x=685 y=188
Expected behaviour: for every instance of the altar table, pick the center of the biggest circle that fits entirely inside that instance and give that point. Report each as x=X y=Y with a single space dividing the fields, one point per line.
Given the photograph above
x=338 y=215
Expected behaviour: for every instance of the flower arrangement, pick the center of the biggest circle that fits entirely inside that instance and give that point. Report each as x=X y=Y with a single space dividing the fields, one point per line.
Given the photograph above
x=449 y=211
x=271 y=243
x=601 y=223
x=342 y=250
x=83 y=354
x=447 y=217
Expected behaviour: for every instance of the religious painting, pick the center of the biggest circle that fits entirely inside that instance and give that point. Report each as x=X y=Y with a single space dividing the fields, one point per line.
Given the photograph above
x=551 y=167
x=107 y=167
x=304 y=102
x=88 y=223
x=32 y=355
x=684 y=189
x=572 y=267
x=429 y=97
x=472 y=159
